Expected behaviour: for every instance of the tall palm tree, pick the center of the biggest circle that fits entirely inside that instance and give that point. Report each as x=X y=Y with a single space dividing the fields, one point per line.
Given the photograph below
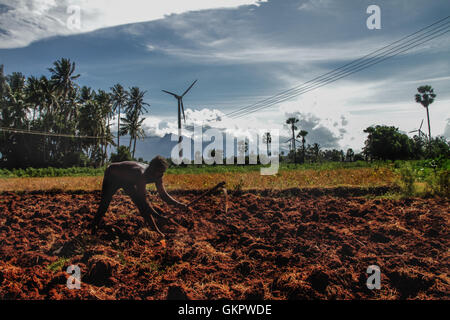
x=136 y=102
x=119 y=98
x=303 y=134
x=49 y=100
x=104 y=102
x=132 y=125
x=267 y=138
x=63 y=76
x=426 y=97
x=135 y=108
x=17 y=99
x=86 y=94
x=316 y=150
x=292 y=122
x=33 y=94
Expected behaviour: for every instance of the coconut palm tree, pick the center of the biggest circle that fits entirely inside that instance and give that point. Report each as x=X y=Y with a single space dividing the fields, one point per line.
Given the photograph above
x=132 y=126
x=104 y=101
x=49 y=96
x=316 y=151
x=119 y=98
x=33 y=94
x=267 y=139
x=16 y=98
x=63 y=76
x=292 y=122
x=135 y=108
x=303 y=134
x=426 y=97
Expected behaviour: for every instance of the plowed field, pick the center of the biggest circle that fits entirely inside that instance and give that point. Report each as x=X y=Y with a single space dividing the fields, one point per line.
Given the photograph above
x=282 y=245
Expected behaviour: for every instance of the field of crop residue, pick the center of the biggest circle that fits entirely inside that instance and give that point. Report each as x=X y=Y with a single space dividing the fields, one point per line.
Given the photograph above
x=292 y=244
x=355 y=177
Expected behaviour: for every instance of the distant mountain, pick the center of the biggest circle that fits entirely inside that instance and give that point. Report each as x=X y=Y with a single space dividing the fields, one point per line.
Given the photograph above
x=151 y=147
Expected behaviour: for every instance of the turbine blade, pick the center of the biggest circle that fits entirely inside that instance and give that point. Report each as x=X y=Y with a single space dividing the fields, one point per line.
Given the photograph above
x=421 y=125
x=189 y=88
x=173 y=94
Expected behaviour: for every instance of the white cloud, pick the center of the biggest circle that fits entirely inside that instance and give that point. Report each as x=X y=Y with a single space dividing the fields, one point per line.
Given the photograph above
x=25 y=21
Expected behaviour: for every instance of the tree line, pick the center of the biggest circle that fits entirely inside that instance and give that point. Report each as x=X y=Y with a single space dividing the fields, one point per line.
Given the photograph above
x=382 y=143
x=52 y=121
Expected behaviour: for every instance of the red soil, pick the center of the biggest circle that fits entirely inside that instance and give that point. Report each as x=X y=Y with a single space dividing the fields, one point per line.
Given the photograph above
x=301 y=246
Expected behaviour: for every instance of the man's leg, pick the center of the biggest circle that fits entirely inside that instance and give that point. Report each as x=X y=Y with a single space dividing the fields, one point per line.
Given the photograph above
x=108 y=190
x=145 y=209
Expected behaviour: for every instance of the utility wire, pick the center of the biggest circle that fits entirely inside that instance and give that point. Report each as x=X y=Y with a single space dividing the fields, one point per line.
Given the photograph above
x=342 y=67
x=50 y=134
x=356 y=68
x=349 y=68
x=330 y=80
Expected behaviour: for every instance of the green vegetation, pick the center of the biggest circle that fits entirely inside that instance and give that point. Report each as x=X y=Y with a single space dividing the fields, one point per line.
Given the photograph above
x=57 y=265
x=188 y=169
x=424 y=178
x=421 y=167
x=51 y=172
x=52 y=121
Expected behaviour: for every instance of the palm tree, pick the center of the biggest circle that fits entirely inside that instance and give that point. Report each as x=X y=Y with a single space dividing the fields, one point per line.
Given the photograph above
x=136 y=102
x=316 y=151
x=426 y=97
x=63 y=76
x=132 y=125
x=292 y=121
x=119 y=98
x=33 y=94
x=267 y=139
x=86 y=95
x=303 y=134
x=104 y=102
x=135 y=107
x=16 y=99
x=49 y=100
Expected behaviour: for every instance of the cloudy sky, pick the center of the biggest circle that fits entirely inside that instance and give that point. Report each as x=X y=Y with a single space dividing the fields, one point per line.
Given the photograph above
x=241 y=51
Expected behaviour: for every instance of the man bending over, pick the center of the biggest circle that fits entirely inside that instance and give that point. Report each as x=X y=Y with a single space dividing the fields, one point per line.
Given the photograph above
x=133 y=178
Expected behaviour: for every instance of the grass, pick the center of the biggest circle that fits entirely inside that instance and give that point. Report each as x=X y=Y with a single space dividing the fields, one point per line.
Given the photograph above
x=415 y=178
x=189 y=169
x=57 y=265
x=51 y=172
x=364 y=177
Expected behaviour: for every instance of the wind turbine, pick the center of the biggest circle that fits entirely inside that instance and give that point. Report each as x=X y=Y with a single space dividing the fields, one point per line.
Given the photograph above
x=180 y=109
x=419 y=130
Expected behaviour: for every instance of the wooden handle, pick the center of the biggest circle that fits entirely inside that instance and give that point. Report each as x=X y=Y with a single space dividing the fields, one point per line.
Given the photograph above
x=218 y=186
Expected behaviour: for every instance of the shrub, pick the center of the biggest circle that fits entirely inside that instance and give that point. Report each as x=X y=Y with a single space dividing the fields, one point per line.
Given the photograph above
x=123 y=154
x=407 y=179
x=439 y=182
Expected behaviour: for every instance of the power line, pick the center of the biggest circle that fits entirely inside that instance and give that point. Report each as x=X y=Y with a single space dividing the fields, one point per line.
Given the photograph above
x=342 y=67
x=295 y=94
x=339 y=75
x=349 y=68
x=40 y=133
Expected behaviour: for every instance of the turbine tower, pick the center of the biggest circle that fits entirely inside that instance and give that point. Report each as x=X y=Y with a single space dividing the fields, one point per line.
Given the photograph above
x=421 y=133
x=180 y=109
